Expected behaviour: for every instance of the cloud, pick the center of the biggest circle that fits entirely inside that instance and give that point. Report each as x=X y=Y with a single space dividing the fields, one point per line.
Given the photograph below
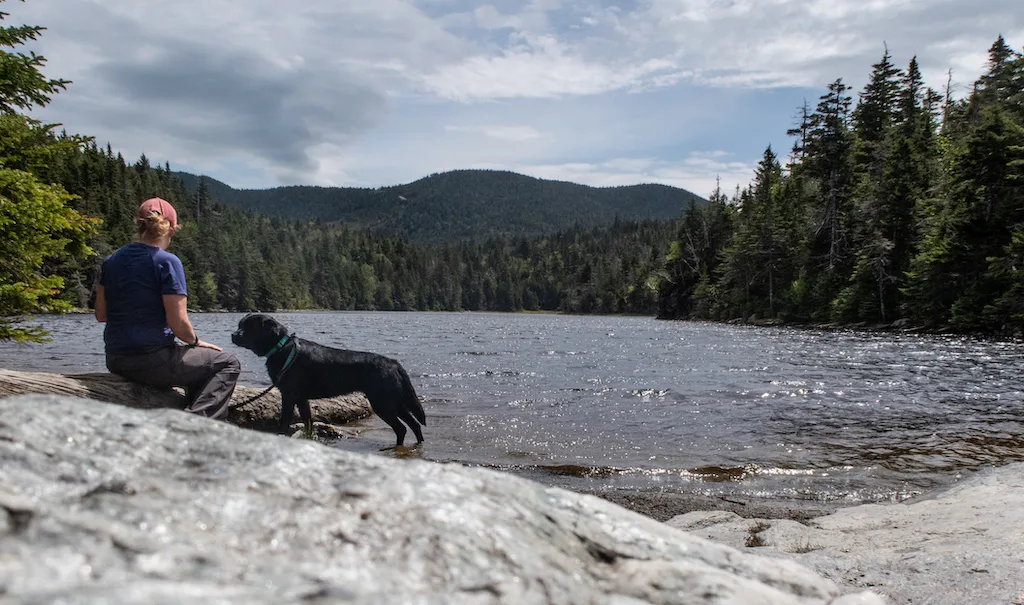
x=202 y=83
x=539 y=67
x=512 y=134
x=262 y=92
x=741 y=43
x=811 y=42
x=274 y=112
x=699 y=172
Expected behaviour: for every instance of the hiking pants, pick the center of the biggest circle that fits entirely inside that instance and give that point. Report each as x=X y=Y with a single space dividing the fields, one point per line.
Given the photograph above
x=208 y=376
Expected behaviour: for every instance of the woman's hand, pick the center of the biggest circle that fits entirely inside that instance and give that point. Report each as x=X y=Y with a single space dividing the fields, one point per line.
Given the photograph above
x=177 y=319
x=206 y=345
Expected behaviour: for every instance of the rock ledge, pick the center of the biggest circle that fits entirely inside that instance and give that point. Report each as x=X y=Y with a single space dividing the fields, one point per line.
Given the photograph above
x=105 y=504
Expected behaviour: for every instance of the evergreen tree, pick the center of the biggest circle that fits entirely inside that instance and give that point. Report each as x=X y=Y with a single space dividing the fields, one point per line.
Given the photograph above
x=22 y=85
x=753 y=268
x=687 y=286
x=894 y=180
x=39 y=231
x=829 y=171
x=984 y=202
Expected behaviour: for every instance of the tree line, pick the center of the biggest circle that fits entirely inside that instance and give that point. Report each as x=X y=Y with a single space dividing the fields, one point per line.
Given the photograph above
x=241 y=261
x=908 y=206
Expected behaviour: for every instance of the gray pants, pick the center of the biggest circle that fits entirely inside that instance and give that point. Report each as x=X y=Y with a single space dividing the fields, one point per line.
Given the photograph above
x=208 y=376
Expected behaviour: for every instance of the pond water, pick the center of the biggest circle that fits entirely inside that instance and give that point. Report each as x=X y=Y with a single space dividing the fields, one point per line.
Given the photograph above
x=599 y=403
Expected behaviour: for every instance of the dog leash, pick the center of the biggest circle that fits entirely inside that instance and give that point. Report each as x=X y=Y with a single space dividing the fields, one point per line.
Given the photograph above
x=287 y=364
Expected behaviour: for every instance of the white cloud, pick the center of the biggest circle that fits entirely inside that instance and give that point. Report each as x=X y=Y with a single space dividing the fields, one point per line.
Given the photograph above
x=742 y=43
x=360 y=92
x=811 y=42
x=538 y=67
x=699 y=172
x=513 y=134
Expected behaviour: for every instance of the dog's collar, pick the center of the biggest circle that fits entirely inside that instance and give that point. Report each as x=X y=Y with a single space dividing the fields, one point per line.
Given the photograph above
x=279 y=346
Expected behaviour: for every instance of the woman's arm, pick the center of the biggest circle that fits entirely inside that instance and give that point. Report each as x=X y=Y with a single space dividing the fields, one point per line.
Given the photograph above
x=100 y=306
x=177 y=320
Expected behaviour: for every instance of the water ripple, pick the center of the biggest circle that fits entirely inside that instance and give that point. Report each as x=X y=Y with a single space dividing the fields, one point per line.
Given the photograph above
x=628 y=402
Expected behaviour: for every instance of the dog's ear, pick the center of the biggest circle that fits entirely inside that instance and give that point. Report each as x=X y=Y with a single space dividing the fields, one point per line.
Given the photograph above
x=271 y=325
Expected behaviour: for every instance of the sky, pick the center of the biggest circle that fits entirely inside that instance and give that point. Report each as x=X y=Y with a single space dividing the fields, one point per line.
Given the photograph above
x=370 y=93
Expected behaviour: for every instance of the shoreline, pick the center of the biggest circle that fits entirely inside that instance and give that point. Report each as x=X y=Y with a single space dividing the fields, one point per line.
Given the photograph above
x=662 y=506
x=899 y=326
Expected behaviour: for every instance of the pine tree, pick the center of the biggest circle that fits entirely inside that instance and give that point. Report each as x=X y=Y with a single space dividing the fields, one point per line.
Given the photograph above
x=755 y=266
x=997 y=84
x=893 y=183
x=828 y=172
x=874 y=117
x=22 y=84
x=984 y=202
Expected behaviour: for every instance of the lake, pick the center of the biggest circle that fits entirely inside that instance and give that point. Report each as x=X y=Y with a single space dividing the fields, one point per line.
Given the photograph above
x=633 y=403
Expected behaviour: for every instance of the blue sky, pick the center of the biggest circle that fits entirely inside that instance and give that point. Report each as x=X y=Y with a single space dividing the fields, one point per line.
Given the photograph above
x=259 y=93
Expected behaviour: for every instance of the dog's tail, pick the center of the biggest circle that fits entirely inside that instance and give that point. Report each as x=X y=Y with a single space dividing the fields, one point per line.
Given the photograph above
x=412 y=401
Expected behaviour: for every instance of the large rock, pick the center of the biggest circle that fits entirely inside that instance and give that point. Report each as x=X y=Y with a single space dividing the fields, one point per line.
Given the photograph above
x=105 y=504
x=964 y=545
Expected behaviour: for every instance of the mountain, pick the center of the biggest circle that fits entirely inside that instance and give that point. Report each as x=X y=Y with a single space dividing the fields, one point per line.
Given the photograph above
x=459 y=205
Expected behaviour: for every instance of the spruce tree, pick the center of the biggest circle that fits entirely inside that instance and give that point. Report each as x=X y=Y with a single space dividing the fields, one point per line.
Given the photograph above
x=828 y=170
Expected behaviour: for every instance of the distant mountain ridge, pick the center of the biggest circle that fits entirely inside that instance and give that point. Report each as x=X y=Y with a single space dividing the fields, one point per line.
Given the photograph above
x=460 y=205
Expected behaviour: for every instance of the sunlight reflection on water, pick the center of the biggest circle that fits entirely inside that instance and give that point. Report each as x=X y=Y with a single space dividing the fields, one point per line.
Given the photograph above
x=628 y=402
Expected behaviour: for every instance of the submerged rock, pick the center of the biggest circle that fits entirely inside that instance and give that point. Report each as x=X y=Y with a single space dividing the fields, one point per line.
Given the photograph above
x=103 y=504
x=964 y=545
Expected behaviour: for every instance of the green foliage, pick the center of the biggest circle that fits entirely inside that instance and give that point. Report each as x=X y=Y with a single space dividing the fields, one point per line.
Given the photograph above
x=883 y=213
x=463 y=204
x=22 y=85
x=236 y=260
x=36 y=226
x=39 y=232
x=685 y=285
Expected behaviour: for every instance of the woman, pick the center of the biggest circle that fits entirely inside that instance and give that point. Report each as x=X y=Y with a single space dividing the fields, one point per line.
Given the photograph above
x=142 y=297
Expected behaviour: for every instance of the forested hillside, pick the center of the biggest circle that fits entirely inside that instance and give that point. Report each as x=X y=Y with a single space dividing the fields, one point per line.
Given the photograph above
x=244 y=261
x=459 y=205
x=907 y=204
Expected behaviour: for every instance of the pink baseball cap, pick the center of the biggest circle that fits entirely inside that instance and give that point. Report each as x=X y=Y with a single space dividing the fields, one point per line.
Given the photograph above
x=161 y=207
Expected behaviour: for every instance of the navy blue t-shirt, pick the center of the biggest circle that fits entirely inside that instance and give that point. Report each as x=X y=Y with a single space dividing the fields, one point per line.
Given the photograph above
x=134 y=279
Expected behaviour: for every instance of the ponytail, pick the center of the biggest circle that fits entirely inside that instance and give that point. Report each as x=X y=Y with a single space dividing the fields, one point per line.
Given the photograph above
x=153 y=227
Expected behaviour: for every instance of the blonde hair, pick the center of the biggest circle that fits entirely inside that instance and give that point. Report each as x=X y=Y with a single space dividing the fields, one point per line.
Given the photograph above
x=153 y=226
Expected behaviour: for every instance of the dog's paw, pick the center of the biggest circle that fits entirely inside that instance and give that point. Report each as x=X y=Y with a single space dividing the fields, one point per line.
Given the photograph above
x=325 y=432
x=404 y=451
x=302 y=434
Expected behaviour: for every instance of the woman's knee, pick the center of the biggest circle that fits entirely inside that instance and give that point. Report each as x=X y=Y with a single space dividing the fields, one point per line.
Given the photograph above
x=229 y=363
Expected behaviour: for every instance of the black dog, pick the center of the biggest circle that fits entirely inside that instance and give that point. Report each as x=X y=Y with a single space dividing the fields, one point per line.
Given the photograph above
x=304 y=370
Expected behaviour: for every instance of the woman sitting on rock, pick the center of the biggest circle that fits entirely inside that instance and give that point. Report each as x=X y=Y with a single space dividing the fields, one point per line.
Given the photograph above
x=141 y=296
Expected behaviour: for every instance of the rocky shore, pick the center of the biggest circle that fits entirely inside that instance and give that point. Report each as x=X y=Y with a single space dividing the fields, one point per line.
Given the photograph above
x=102 y=503
x=664 y=506
x=962 y=545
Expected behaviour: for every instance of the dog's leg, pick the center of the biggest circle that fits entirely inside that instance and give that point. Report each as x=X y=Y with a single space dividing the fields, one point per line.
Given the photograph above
x=398 y=427
x=307 y=417
x=287 y=410
x=407 y=416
